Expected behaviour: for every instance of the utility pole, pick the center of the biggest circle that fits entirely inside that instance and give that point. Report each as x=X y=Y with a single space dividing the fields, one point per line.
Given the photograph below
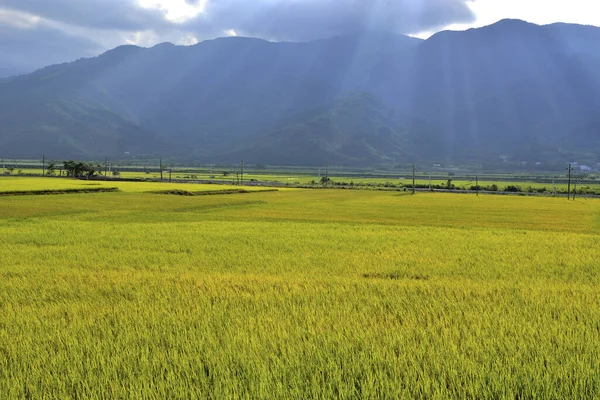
x=430 y=181
x=477 y=184
x=170 y=172
x=44 y=165
x=413 y=185
x=242 y=172
x=161 y=170
x=575 y=190
x=105 y=168
x=553 y=187
x=569 y=186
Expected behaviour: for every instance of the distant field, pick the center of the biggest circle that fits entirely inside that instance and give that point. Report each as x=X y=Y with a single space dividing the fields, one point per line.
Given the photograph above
x=401 y=179
x=297 y=294
x=32 y=183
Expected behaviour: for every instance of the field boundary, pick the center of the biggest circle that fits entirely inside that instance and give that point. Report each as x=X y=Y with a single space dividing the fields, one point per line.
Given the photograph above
x=177 y=192
x=57 y=192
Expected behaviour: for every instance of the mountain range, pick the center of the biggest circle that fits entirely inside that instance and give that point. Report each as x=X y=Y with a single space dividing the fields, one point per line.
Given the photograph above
x=510 y=91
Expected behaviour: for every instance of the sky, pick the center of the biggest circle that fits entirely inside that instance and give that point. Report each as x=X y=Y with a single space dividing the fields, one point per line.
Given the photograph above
x=36 y=33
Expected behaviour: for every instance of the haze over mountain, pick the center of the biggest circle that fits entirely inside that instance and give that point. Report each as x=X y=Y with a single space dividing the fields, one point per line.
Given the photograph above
x=8 y=72
x=512 y=89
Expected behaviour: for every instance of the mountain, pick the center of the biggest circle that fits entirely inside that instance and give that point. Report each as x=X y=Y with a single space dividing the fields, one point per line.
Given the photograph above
x=358 y=129
x=512 y=89
x=201 y=97
x=493 y=90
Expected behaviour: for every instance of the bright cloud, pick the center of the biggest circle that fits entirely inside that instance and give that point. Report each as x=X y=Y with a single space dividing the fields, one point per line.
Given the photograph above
x=18 y=19
x=541 y=12
x=177 y=11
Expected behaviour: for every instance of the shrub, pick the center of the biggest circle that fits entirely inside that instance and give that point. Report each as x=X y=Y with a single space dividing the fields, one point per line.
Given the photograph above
x=513 y=189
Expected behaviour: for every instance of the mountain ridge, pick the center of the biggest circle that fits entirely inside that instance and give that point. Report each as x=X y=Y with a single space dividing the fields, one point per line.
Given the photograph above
x=474 y=95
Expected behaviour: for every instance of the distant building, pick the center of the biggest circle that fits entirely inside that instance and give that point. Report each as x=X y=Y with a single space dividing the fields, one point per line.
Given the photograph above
x=585 y=168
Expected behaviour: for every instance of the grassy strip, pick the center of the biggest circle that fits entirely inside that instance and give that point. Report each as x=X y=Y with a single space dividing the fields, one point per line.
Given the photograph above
x=212 y=192
x=59 y=191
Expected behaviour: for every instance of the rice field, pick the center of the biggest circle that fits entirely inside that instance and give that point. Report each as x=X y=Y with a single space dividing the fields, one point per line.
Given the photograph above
x=8 y=184
x=589 y=185
x=297 y=294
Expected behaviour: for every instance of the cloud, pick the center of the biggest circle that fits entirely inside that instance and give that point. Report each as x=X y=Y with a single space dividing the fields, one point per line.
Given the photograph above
x=41 y=32
x=101 y=14
x=299 y=20
x=29 y=42
x=276 y=19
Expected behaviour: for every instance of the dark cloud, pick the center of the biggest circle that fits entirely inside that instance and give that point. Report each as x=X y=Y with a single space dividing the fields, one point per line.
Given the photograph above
x=311 y=19
x=273 y=19
x=26 y=49
x=70 y=29
x=102 y=14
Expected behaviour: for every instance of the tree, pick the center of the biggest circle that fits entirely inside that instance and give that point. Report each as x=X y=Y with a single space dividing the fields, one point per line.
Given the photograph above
x=71 y=168
x=79 y=169
x=51 y=169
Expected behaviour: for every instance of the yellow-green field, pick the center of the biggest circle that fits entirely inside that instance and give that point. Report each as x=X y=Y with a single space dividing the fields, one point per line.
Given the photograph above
x=8 y=184
x=298 y=294
x=402 y=179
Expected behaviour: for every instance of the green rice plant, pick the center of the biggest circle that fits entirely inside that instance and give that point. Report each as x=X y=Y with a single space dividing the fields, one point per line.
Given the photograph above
x=299 y=294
